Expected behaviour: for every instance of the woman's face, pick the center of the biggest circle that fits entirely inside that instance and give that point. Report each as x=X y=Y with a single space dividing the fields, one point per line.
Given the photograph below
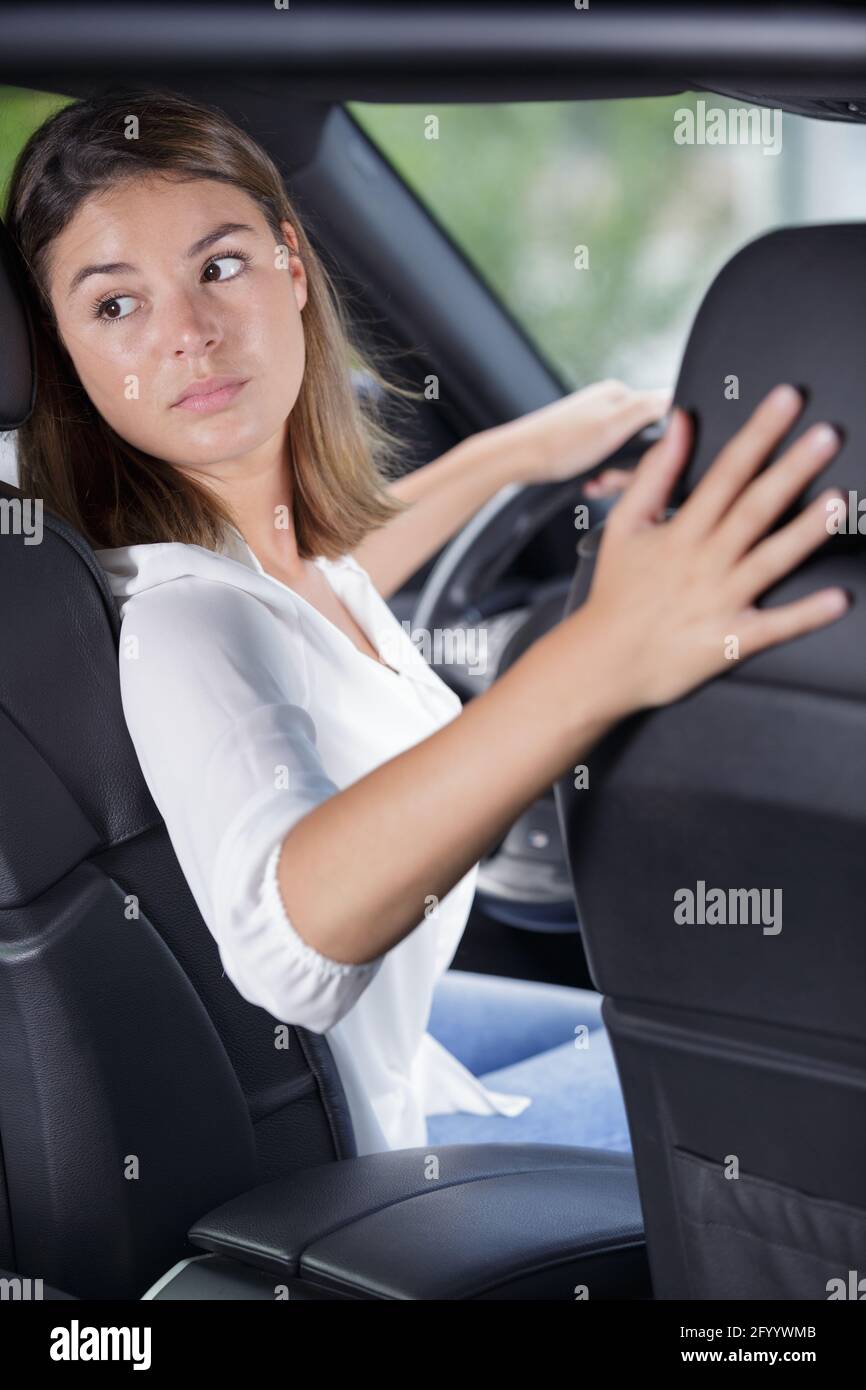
x=177 y=306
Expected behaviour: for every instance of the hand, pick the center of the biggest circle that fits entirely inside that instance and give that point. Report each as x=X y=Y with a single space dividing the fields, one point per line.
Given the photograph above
x=571 y=435
x=610 y=483
x=673 y=602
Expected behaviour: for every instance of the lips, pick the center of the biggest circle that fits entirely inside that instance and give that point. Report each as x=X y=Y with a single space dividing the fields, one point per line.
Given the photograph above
x=210 y=392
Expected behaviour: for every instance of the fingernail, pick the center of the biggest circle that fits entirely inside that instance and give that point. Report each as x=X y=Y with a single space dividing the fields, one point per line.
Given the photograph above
x=786 y=396
x=823 y=436
x=837 y=600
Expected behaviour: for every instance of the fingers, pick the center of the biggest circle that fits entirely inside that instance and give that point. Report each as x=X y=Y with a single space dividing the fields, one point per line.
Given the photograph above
x=741 y=458
x=646 y=406
x=627 y=412
x=656 y=399
x=653 y=479
x=782 y=552
x=636 y=409
x=763 y=501
x=609 y=483
x=767 y=627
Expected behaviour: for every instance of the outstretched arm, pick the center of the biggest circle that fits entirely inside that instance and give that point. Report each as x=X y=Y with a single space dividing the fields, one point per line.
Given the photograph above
x=557 y=442
x=355 y=872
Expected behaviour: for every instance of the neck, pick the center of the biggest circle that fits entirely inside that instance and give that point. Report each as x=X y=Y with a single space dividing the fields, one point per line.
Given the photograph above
x=258 y=491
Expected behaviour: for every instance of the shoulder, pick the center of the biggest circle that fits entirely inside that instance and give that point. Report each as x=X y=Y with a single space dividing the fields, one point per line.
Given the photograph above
x=195 y=633
x=196 y=603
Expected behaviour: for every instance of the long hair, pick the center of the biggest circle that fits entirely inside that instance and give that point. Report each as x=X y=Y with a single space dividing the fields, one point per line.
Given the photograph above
x=340 y=452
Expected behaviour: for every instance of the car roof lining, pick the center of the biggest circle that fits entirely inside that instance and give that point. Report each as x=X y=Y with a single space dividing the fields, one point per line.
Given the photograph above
x=807 y=60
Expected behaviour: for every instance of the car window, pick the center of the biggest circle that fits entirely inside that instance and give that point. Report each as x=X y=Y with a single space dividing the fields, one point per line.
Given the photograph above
x=21 y=112
x=600 y=224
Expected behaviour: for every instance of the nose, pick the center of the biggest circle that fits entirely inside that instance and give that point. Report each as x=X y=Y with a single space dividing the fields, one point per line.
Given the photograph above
x=192 y=326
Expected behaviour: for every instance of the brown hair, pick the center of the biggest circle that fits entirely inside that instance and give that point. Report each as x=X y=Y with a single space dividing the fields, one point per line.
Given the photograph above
x=112 y=492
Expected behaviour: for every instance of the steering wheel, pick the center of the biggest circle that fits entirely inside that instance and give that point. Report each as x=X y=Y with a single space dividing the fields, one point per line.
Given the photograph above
x=524 y=880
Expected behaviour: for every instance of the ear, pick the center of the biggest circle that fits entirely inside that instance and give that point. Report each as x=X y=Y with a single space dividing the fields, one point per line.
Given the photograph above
x=296 y=268
x=290 y=235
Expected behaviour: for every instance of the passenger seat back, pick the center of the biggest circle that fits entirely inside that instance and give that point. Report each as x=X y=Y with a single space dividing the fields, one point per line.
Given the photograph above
x=738 y=1018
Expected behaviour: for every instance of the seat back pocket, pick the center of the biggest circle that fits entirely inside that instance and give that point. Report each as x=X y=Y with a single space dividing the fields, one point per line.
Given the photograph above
x=746 y=1237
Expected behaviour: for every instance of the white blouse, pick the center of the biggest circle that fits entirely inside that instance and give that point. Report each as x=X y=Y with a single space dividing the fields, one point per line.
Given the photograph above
x=247 y=707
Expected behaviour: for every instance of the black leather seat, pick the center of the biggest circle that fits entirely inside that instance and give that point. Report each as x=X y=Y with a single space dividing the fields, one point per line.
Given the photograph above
x=742 y=1046
x=140 y=1094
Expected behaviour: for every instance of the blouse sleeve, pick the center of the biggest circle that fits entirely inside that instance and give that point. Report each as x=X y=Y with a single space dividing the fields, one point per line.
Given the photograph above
x=214 y=691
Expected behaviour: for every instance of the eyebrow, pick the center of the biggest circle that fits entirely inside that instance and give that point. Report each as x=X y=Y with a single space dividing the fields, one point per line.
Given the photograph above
x=124 y=267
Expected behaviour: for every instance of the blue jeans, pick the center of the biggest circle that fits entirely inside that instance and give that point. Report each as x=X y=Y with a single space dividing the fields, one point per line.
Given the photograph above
x=527 y=1038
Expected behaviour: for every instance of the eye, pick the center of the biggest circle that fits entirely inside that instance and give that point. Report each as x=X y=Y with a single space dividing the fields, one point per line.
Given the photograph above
x=240 y=257
x=234 y=260
x=101 y=304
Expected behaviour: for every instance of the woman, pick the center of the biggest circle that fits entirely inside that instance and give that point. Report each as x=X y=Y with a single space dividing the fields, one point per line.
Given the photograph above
x=329 y=807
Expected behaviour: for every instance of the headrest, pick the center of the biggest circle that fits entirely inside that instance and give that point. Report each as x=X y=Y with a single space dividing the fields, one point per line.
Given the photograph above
x=17 y=358
x=789 y=307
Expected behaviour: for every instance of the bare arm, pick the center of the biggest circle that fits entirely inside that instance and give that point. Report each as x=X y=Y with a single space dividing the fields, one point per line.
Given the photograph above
x=558 y=441
x=355 y=872
x=443 y=494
